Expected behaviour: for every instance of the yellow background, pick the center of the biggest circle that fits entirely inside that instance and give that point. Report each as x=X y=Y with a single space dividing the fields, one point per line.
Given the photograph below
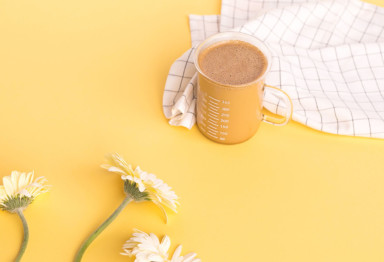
x=79 y=79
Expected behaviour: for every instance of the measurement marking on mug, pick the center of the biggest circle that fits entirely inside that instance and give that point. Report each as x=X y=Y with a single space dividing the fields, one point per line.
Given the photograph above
x=212 y=116
x=225 y=109
x=213 y=135
x=213 y=111
x=214 y=102
x=212 y=123
x=212 y=130
x=215 y=106
x=218 y=100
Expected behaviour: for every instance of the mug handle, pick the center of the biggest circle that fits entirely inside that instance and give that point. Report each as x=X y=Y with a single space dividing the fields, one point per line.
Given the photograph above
x=288 y=115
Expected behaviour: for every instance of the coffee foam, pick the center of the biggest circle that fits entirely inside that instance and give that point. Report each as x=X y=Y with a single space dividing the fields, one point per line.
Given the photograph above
x=232 y=62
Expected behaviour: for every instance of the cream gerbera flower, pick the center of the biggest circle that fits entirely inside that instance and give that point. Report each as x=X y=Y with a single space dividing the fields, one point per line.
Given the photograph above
x=138 y=186
x=19 y=190
x=158 y=191
x=147 y=247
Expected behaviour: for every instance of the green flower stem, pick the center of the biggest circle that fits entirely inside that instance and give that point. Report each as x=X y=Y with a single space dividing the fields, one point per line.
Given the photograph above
x=101 y=228
x=26 y=235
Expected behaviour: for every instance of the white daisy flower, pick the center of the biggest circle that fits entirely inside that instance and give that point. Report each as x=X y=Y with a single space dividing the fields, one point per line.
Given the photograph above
x=158 y=191
x=148 y=248
x=17 y=192
x=138 y=186
x=20 y=189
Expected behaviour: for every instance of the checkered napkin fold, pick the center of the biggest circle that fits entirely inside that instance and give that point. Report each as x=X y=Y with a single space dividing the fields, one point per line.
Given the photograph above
x=327 y=55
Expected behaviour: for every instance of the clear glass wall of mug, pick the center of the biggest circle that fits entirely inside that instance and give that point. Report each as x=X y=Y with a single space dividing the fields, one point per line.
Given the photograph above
x=229 y=104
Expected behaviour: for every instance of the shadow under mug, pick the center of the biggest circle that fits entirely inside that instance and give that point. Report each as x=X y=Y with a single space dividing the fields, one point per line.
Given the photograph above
x=232 y=114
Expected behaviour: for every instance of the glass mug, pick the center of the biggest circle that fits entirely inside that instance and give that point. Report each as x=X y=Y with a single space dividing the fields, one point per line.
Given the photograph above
x=231 y=114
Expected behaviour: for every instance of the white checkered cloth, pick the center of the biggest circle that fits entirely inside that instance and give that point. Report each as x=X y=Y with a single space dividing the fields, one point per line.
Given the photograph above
x=327 y=55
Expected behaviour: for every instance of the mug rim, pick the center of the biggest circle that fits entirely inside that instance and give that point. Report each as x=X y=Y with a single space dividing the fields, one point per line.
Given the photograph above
x=237 y=36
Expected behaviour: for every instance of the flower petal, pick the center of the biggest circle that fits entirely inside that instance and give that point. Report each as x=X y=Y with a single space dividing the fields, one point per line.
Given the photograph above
x=176 y=254
x=163 y=211
x=24 y=192
x=8 y=185
x=165 y=244
x=3 y=193
x=115 y=170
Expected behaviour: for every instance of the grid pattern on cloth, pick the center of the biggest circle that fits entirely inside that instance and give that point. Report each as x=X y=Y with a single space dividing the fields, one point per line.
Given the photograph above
x=327 y=55
x=203 y=26
x=235 y=13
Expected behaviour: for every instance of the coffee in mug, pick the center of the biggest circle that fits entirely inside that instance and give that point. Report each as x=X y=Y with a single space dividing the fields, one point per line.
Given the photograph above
x=232 y=62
